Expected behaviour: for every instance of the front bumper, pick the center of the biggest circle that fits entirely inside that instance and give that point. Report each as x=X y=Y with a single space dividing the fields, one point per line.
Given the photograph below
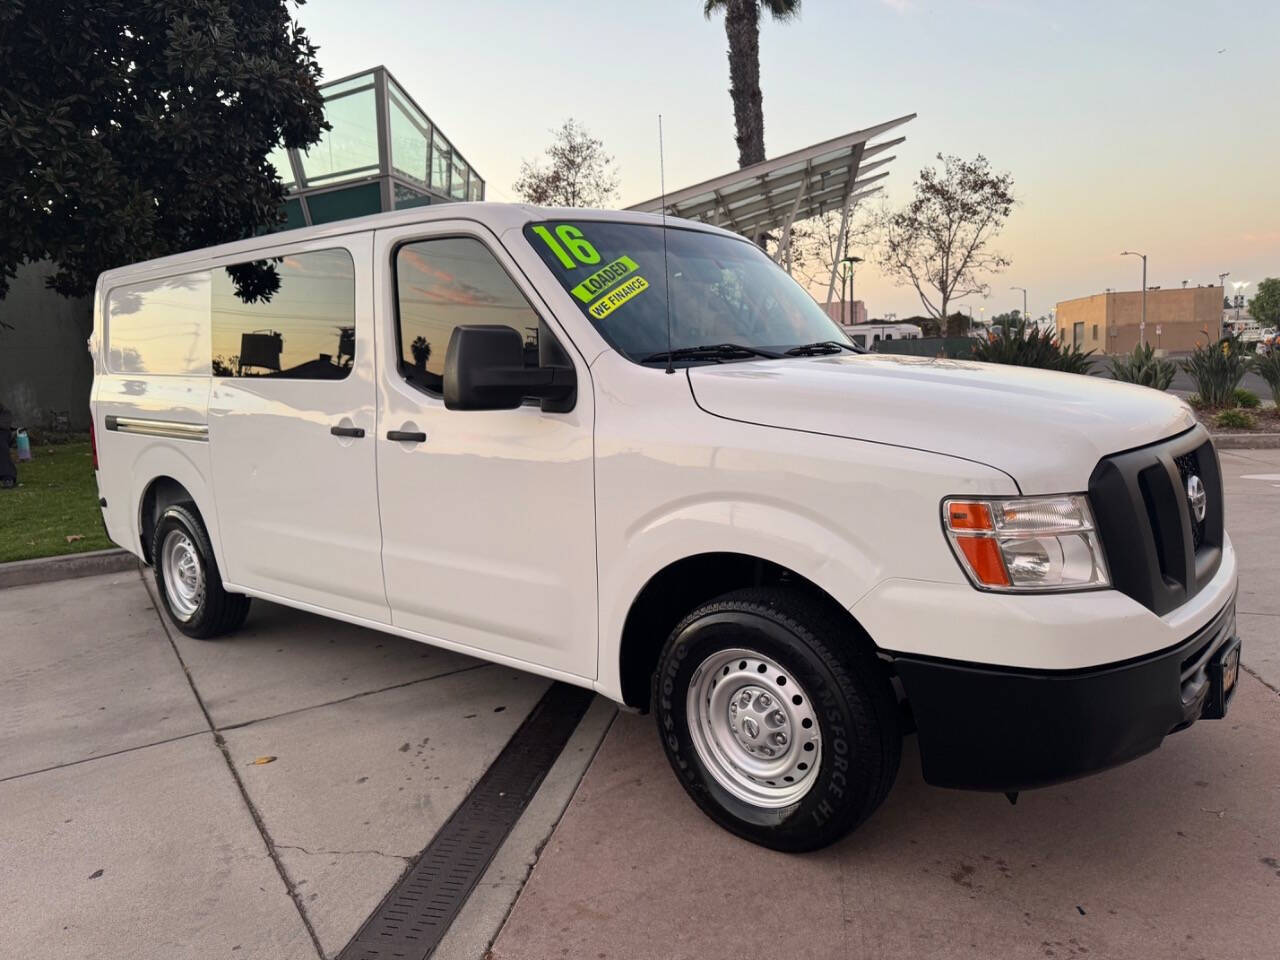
x=983 y=727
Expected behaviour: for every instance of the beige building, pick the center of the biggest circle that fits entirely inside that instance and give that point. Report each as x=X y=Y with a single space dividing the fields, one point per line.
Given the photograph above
x=1177 y=319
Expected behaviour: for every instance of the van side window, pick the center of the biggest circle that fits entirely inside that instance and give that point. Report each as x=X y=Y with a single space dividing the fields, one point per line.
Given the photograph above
x=160 y=326
x=291 y=317
x=445 y=283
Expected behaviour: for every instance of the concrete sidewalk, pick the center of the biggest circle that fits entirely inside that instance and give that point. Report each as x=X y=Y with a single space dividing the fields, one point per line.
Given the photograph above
x=1175 y=855
x=137 y=824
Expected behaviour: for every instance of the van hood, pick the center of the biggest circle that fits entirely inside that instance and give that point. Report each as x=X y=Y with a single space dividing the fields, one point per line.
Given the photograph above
x=1045 y=429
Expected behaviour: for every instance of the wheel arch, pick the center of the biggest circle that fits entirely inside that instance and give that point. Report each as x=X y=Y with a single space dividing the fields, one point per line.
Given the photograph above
x=164 y=478
x=680 y=586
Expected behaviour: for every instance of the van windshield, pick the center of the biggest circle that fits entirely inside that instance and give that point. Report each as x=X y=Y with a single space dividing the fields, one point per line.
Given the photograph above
x=722 y=290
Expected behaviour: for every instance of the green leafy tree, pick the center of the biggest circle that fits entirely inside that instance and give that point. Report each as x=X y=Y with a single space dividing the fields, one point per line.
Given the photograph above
x=940 y=242
x=742 y=27
x=1265 y=305
x=131 y=129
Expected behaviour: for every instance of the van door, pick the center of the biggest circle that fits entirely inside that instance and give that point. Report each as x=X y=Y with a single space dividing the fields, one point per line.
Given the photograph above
x=488 y=516
x=291 y=419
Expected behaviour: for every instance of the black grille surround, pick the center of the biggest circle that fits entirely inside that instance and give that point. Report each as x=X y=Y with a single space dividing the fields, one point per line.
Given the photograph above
x=1157 y=552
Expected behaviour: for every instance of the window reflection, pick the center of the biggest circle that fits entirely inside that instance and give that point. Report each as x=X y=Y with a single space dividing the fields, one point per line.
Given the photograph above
x=160 y=326
x=292 y=317
x=441 y=284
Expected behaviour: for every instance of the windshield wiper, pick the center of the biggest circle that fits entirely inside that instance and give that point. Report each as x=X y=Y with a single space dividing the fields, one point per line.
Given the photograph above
x=822 y=347
x=711 y=351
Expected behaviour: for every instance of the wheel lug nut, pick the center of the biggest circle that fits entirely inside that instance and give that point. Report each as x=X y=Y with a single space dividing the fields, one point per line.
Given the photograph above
x=780 y=739
x=764 y=702
x=778 y=717
x=745 y=699
x=767 y=751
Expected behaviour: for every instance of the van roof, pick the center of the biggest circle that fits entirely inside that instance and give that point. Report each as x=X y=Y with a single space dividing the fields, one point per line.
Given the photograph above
x=498 y=217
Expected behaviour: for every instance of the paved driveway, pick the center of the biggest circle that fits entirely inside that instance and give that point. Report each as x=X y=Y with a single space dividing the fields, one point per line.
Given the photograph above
x=135 y=822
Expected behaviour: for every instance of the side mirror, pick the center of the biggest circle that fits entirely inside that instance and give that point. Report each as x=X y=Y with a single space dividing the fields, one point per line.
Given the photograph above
x=484 y=369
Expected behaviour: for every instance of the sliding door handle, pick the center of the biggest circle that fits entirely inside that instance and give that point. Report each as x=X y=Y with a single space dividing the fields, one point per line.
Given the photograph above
x=411 y=436
x=356 y=432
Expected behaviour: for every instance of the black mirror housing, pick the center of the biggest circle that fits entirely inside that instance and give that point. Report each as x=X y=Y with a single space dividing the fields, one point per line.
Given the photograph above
x=484 y=369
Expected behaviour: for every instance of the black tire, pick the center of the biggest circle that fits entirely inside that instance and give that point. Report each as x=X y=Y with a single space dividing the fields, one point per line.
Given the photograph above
x=854 y=704
x=217 y=612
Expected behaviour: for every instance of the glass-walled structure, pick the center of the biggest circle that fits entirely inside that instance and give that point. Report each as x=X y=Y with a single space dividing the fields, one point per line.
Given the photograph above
x=381 y=153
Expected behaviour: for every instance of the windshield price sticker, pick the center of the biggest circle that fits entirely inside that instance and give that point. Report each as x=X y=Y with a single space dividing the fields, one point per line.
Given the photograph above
x=613 y=300
x=604 y=278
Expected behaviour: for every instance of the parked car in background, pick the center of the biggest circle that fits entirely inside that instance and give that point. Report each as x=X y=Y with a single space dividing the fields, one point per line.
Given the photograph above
x=634 y=455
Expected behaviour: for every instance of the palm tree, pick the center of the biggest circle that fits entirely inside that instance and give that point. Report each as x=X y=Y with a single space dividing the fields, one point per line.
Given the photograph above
x=742 y=26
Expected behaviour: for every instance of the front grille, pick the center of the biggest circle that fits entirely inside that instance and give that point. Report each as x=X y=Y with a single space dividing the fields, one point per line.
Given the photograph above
x=1156 y=551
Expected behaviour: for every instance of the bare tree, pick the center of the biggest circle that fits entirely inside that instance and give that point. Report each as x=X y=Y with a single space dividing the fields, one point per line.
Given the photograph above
x=578 y=173
x=939 y=243
x=815 y=246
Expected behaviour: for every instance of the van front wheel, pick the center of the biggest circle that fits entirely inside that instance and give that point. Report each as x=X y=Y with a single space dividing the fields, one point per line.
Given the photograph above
x=187 y=577
x=777 y=717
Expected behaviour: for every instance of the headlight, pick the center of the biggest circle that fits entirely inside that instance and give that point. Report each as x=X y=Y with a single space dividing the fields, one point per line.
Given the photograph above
x=1027 y=544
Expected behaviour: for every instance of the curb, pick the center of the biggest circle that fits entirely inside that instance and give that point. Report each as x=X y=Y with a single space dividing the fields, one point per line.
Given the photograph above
x=1246 y=441
x=21 y=573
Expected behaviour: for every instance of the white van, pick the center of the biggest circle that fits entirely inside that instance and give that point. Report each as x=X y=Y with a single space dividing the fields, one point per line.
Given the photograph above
x=641 y=460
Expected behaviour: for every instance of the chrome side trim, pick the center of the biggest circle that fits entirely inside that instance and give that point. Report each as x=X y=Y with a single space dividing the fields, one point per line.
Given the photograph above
x=173 y=429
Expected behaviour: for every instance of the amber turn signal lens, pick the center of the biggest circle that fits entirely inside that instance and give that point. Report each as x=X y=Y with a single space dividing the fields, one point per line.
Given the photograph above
x=983 y=554
x=966 y=515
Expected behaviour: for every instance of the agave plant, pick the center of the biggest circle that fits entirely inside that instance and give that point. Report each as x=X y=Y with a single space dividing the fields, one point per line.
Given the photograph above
x=1144 y=367
x=1025 y=346
x=1268 y=368
x=1217 y=370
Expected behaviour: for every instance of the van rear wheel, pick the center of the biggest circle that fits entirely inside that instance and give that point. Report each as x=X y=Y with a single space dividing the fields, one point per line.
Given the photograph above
x=778 y=719
x=187 y=577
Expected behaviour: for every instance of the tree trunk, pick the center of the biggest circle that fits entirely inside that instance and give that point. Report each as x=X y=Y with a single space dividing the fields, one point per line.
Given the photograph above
x=742 y=26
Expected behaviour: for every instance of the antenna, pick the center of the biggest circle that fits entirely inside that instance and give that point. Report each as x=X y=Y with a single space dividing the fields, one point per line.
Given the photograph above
x=666 y=270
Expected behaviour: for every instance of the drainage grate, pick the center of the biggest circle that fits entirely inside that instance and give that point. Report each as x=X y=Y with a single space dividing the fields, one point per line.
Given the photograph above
x=414 y=917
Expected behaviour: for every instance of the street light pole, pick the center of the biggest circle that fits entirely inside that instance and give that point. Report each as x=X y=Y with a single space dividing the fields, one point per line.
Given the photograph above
x=847 y=263
x=1024 y=300
x=1142 y=326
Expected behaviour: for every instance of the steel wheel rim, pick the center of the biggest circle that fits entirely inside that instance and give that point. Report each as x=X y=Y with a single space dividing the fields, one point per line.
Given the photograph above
x=183 y=575
x=738 y=703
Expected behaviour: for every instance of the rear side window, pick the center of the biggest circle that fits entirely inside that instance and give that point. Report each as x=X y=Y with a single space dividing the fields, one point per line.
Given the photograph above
x=160 y=327
x=442 y=284
x=291 y=317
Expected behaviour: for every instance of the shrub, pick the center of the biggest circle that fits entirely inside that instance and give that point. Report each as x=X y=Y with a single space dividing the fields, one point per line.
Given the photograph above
x=1235 y=420
x=1268 y=368
x=1217 y=370
x=1144 y=367
x=1246 y=398
x=1194 y=401
x=1023 y=347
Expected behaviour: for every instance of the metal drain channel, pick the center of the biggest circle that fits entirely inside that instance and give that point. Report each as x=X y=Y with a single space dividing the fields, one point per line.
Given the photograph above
x=414 y=917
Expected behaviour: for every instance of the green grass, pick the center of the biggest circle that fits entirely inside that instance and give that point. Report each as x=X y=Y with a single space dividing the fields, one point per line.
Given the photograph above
x=57 y=498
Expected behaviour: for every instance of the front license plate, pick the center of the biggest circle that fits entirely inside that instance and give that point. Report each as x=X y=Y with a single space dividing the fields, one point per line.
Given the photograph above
x=1224 y=671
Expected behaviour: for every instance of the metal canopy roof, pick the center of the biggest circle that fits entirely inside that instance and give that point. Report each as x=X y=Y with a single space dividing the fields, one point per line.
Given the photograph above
x=795 y=186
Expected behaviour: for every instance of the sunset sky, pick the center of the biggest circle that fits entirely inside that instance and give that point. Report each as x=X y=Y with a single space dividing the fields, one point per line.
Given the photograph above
x=1151 y=126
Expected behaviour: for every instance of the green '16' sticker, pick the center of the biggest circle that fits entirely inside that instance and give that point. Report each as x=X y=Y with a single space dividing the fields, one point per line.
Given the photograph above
x=568 y=240
x=604 y=278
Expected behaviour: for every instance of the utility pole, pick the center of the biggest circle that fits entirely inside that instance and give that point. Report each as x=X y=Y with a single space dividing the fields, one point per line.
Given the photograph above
x=1222 y=315
x=1142 y=326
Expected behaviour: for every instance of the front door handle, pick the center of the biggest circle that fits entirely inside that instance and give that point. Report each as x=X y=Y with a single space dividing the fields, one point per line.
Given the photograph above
x=356 y=432
x=411 y=436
